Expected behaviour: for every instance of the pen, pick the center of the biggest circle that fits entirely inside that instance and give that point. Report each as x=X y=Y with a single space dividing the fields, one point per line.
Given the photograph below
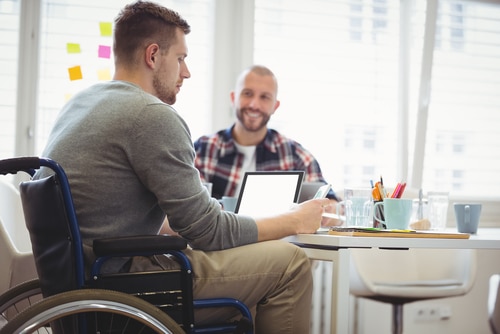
x=396 y=191
x=401 y=191
x=381 y=189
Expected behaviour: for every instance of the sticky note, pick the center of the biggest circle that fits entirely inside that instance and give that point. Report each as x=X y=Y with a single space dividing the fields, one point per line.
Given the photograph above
x=104 y=51
x=105 y=28
x=73 y=48
x=104 y=74
x=75 y=73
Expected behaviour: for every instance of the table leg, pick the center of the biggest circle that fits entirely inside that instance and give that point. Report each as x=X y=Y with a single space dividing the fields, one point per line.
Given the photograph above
x=336 y=319
x=339 y=322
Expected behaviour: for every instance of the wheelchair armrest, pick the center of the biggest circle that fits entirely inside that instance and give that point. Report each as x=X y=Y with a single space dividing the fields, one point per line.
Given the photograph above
x=157 y=244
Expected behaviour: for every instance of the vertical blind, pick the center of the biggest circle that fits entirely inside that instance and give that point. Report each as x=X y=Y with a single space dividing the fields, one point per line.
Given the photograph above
x=338 y=69
x=337 y=64
x=462 y=144
x=9 y=31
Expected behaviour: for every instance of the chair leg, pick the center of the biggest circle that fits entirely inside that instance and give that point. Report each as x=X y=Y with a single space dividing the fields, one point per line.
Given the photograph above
x=397 y=318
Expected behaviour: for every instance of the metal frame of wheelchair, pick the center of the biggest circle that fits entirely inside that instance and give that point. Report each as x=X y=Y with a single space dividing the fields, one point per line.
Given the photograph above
x=160 y=300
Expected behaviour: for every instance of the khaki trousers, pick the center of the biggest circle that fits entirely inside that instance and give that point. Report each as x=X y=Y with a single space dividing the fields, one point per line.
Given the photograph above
x=272 y=278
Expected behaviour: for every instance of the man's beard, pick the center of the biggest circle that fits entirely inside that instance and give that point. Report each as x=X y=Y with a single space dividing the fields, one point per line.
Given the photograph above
x=162 y=92
x=241 y=115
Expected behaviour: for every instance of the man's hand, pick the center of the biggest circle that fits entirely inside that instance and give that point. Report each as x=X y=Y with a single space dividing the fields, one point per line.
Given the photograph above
x=331 y=208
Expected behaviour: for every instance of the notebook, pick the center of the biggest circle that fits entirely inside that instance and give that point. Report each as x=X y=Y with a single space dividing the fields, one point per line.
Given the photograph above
x=268 y=193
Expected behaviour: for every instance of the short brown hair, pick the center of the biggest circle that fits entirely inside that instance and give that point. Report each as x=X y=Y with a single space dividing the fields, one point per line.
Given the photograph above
x=141 y=23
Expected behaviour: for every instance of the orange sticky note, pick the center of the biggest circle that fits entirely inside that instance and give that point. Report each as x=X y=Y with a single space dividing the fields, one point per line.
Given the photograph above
x=75 y=73
x=105 y=28
x=104 y=74
x=73 y=48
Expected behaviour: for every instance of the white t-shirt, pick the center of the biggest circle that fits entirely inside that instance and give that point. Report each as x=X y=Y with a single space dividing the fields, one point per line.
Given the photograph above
x=249 y=162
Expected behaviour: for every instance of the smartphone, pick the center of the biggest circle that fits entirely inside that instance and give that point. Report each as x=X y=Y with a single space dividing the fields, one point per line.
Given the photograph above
x=323 y=191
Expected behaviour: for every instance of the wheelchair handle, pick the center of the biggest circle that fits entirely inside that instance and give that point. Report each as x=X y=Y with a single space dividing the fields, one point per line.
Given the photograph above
x=13 y=165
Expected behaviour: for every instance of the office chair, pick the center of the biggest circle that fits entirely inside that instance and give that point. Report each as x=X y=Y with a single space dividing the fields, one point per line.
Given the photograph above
x=161 y=301
x=16 y=258
x=400 y=277
x=494 y=304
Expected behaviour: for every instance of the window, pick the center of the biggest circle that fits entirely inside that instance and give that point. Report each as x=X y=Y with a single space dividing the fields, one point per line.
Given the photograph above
x=339 y=68
x=463 y=111
x=76 y=52
x=9 y=46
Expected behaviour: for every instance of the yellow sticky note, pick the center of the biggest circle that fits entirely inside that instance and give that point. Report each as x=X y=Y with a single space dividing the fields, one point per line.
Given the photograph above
x=73 y=48
x=104 y=74
x=105 y=28
x=75 y=73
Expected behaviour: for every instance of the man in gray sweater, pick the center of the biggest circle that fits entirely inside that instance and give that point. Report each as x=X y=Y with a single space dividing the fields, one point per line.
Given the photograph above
x=130 y=162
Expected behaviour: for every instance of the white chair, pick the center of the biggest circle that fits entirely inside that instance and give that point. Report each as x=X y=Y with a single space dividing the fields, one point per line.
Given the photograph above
x=494 y=304
x=16 y=258
x=400 y=277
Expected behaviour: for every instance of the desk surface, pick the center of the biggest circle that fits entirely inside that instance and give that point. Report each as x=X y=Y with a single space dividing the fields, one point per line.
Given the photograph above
x=487 y=238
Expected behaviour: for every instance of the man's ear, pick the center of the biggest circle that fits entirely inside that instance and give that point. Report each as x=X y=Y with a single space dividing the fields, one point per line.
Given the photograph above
x=151 y=55
x=276 y=105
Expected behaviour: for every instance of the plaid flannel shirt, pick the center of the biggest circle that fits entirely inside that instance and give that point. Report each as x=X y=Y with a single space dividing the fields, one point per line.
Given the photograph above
x=220 y=163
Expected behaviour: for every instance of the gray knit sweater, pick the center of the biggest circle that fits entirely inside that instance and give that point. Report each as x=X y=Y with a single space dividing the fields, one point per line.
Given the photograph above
x=130 y=161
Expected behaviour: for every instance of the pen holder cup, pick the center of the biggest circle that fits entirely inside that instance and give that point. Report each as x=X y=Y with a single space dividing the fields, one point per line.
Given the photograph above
x=396 y=211
x=378 y=211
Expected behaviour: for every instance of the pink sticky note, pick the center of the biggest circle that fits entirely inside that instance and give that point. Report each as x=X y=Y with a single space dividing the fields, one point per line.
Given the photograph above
x=104 y=51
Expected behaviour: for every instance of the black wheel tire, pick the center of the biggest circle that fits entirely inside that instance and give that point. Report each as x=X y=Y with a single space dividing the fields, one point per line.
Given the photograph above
x=82 y=301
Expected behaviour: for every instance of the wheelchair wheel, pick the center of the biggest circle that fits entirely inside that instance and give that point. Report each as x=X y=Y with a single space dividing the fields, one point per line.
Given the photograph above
x=18 y=298
x=92 y=311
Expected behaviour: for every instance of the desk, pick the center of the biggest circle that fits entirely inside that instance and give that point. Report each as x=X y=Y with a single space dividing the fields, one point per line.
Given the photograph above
x=337 y=250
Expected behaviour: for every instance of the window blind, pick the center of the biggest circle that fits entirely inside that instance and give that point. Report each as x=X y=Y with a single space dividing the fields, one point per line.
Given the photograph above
x=338 y=67
x=9 y=30
x=462 y=147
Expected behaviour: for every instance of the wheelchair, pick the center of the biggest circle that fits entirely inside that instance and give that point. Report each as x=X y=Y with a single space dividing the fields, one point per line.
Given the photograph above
x=124 y=302
x=18 y=298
